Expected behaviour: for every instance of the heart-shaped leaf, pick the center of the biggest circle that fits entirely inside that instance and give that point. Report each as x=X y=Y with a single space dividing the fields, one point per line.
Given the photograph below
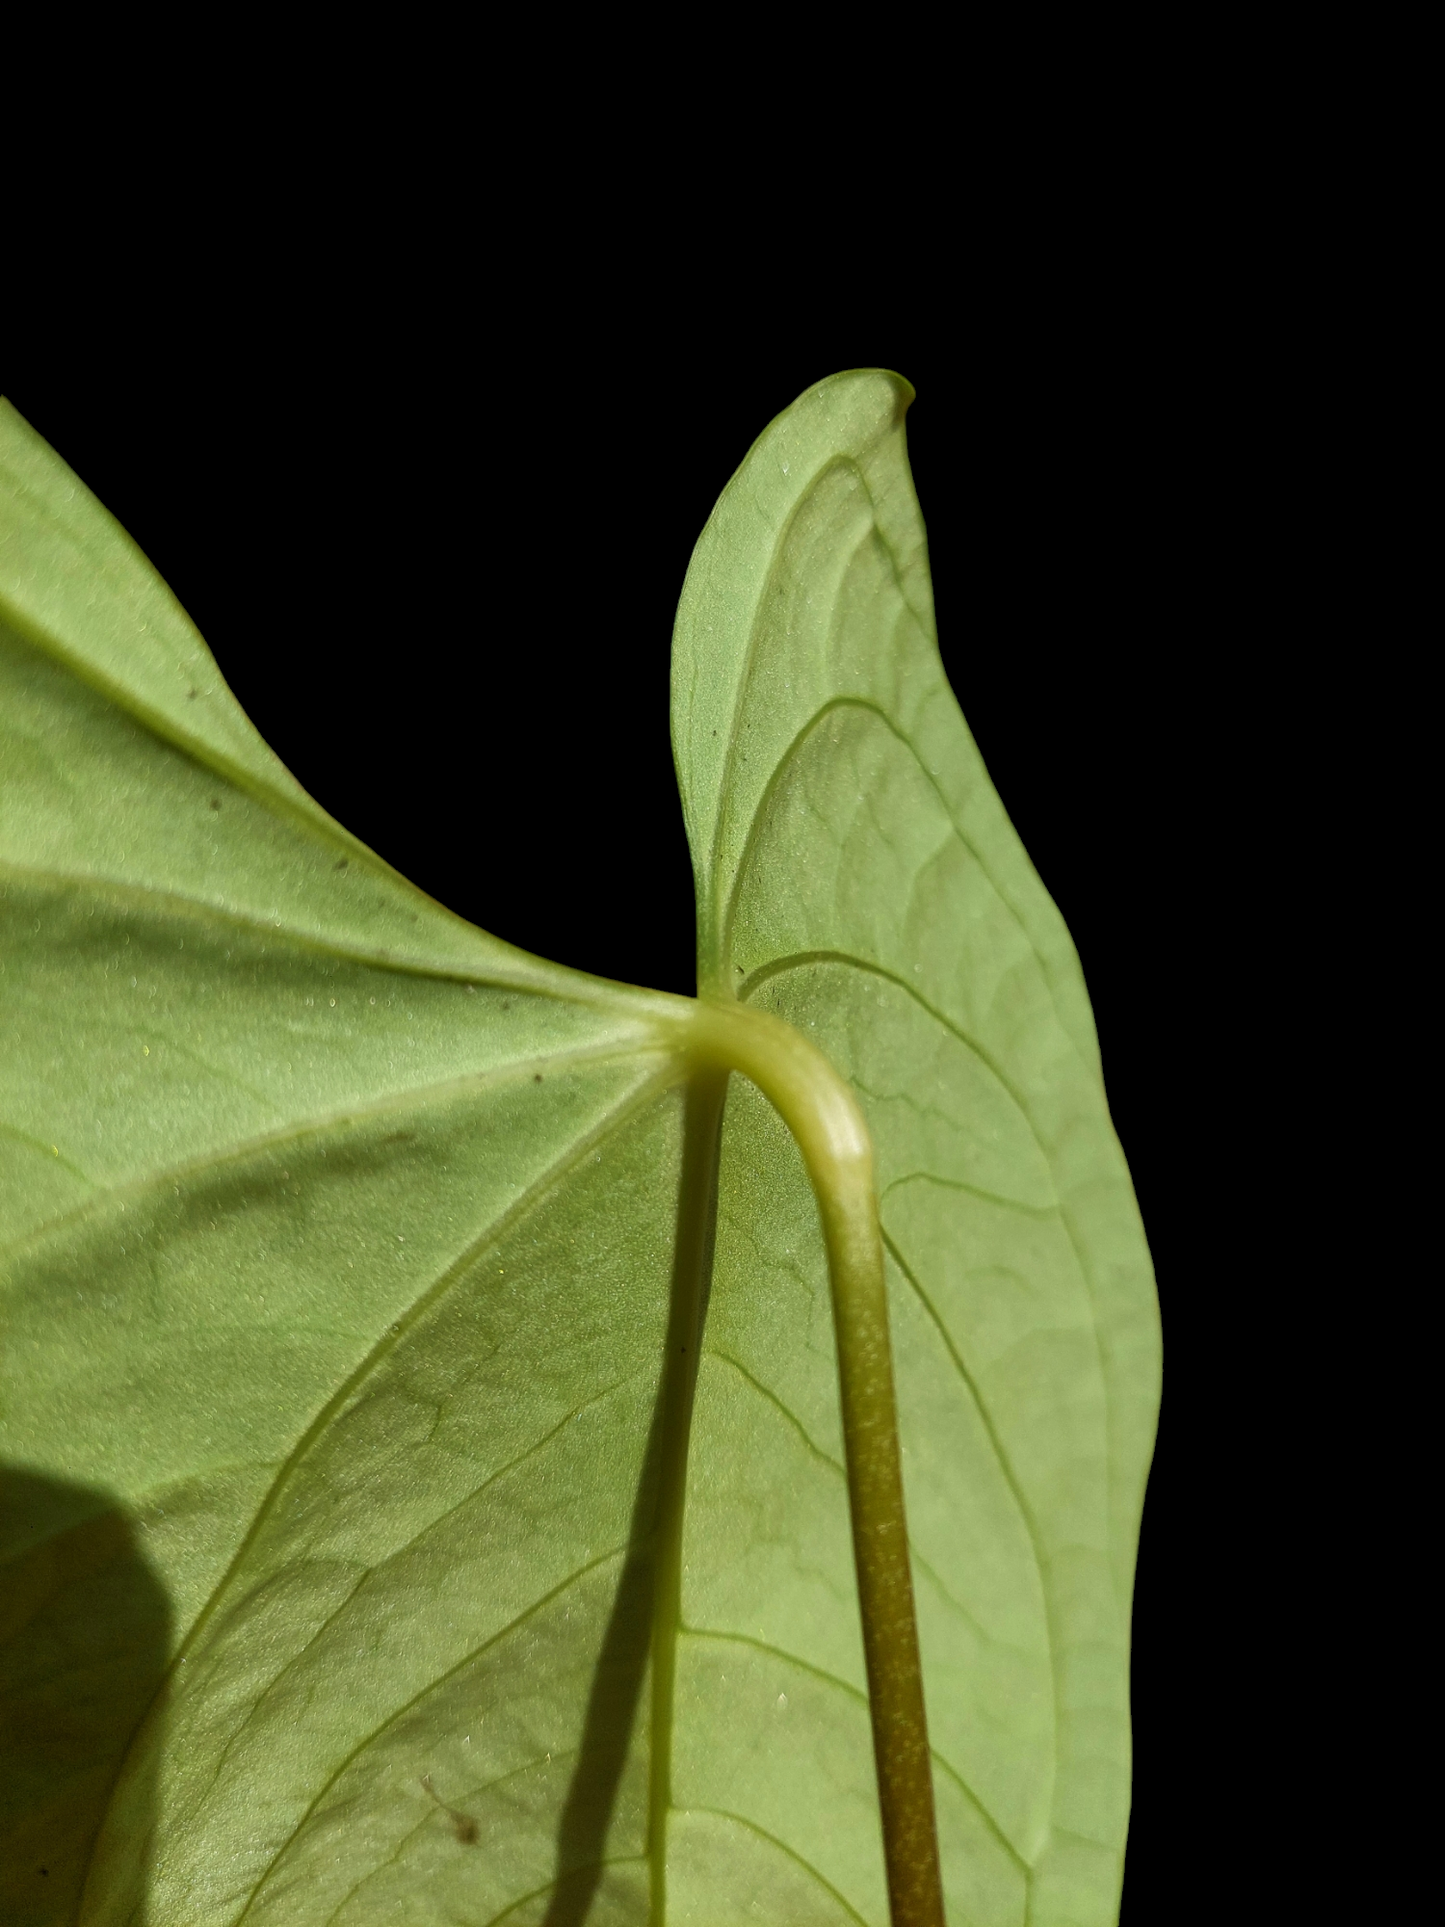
x=379 y=1547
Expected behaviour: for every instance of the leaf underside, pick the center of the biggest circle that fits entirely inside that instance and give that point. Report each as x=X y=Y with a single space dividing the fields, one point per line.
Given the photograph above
x=339 y=1256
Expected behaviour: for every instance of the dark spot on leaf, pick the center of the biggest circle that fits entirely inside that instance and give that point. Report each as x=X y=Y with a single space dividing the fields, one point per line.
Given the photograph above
x=215 y=802
x=463 y=1825
x=191 y=694
x=339 y=866
x=536 y=1077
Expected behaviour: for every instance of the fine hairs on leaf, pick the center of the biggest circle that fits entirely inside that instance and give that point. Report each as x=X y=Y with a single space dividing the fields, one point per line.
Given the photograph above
x=485 y=1443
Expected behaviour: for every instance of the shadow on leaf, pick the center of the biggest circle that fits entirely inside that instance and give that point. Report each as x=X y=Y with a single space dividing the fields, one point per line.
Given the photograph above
x=622 y=1661
x=84 y=1635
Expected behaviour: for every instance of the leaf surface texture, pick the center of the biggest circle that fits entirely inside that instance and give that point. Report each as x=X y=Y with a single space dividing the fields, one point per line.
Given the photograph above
x=341 y=1275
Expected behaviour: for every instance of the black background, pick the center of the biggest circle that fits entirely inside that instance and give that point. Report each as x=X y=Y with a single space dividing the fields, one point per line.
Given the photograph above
x=437 y=559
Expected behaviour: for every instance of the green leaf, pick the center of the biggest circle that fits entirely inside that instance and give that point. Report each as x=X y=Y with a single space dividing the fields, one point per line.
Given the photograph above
x=353 y=1262
x=857 y=876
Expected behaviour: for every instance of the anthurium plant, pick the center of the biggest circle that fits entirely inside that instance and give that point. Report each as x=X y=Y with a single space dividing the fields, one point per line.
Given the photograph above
x=484 y=1443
